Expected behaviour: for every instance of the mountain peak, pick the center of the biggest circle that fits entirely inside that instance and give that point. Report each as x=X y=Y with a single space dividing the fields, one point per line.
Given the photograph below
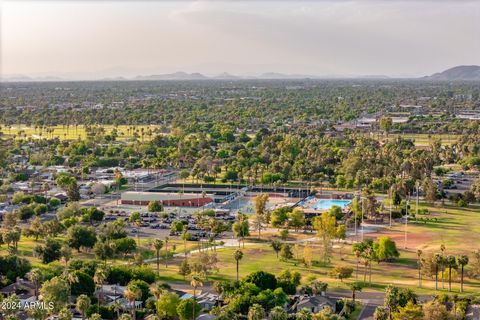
x=471 y=72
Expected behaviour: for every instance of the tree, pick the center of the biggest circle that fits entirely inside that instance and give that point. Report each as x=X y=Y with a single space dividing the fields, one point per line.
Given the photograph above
x=55 y=291
x=142 y=286
x=410 y=312
x=50 y=251
x=296 y=219
x=260 y=203
x=167 y=304
x=433 y=310
x=286 y=251
x=256 y=312
x=125 y=245
x=278 y=313
x=103 y=250
x=279 y=217
x=83 y=303
x=241 y=228
x=80 y=236
x=35 y=276
x=69 y=185
x=277 y=246
x=341 y=272
x=184 y=268
x=430 y=190
x=95 y=316
x=381 y=313
x=84 y=284
x=158 y=245
x=386 y=124
x=438 y=262
x=155 y=206
x=92 y=214
x=99 y=279
x=303 y=314
x=289 y=281
x=195 y=282
x=132 y=293
x=385 y=249
x=325 y=225
x=462 y=262
x=65 y=314
x=355 y=287
x=262 y=279
x=451 y=263
x=36 y=229
x=238 y=255
x=188 y=309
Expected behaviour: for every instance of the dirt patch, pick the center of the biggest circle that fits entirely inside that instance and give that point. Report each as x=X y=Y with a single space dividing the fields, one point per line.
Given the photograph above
x=414 y=240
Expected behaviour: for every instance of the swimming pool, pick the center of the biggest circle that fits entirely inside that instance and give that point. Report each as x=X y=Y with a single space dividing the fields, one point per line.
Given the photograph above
x=325 y=204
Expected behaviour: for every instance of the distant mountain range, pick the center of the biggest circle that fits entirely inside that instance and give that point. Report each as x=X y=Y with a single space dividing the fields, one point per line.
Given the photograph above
x=457 y=73
x=174 y=76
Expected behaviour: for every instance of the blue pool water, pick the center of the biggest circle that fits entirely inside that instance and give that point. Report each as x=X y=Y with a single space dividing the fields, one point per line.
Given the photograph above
x=325 y=204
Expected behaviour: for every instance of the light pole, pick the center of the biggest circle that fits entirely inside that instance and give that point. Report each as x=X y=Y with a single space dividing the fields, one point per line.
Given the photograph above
x=417 y=183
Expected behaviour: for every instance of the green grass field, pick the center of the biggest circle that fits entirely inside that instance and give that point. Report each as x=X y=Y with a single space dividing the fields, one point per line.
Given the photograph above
x=125 y=132
x=457 y=228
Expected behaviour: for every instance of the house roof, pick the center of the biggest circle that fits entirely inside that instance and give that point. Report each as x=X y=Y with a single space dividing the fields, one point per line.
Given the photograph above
x=206 y=316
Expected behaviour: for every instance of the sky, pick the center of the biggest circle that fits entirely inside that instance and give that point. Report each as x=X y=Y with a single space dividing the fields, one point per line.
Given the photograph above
x=94 y=38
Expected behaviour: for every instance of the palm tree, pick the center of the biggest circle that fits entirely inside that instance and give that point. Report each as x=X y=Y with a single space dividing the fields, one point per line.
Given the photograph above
x=70 y=278
x=256 y=312
x=357 y=255
x=158 y=289
x=419 y=263
x=450 y=262
x=125 y=316
x=354 y=287
x=83 y=303
x=35 y=276
x=158 y=245
x=195 y=282
x=238 y=256
x=443 y=249
x=132 y=293
x=117 y=306
x=99 y=279
x=438 y=261
x=462 y=261
x=277 y=313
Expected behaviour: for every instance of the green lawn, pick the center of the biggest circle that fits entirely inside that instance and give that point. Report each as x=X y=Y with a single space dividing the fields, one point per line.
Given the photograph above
x=457 y=228
x=72 y=132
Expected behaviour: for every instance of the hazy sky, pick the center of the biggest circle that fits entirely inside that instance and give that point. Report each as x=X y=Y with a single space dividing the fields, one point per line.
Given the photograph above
x=89 y=39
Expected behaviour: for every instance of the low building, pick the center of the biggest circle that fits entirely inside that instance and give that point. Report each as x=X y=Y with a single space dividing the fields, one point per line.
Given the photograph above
x=313 y=303
x=166 y=199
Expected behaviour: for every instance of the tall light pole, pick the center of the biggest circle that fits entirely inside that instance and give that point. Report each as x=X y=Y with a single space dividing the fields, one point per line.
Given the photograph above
x=356 y=236
x=417 y=183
